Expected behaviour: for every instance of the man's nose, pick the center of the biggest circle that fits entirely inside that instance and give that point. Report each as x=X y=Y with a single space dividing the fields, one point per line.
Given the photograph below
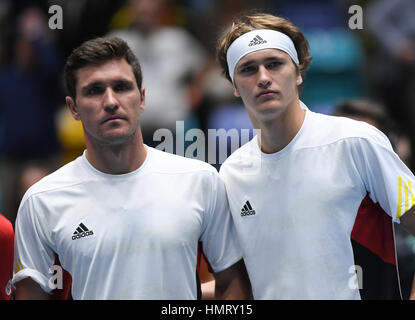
x=110 y=100
x=264 y=77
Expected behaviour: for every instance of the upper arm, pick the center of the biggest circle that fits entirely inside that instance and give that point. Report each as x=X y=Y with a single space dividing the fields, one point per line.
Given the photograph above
x=28 y=289
x=233 y=283
x=219 y=239
x=33 y=255
x=386 y=178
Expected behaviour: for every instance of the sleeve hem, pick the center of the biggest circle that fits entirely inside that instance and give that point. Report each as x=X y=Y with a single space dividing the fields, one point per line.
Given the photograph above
x=36 y=276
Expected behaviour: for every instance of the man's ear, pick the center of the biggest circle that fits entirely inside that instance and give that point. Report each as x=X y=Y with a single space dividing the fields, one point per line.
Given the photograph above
x=236 y=91
x=70 y=103
x=143 y=98
x=299 y=79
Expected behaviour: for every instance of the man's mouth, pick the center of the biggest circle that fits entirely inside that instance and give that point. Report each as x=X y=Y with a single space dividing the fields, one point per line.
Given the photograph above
x=113 y=118
x=266 y=93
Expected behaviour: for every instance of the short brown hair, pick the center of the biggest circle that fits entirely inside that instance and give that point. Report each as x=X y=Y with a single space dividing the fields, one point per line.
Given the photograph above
x=255 y=21
x=95 y=52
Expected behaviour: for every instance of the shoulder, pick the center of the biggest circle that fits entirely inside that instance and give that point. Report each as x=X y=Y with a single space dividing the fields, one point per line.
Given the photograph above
x=66 y=176
x=328 y=129
x=6 y=228
x=242 y=157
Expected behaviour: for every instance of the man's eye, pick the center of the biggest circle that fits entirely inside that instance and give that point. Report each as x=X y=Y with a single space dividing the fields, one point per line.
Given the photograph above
x=274 y=64
x=94 y=91
x=122 y=87
x=247 y=69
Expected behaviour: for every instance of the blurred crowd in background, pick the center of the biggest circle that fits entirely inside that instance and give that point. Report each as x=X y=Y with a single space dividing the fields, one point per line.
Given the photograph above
x=367 y=74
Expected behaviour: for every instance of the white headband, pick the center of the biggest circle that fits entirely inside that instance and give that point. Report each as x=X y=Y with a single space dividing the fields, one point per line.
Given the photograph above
x=258 y=40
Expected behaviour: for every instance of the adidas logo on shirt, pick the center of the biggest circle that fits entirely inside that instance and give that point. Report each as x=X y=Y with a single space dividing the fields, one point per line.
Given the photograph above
x=256 y=41
x=247 y=210
x=82 y=232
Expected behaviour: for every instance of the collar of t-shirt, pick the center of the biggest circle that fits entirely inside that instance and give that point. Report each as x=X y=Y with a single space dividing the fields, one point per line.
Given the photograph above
x=289 y=146
x=99 y=173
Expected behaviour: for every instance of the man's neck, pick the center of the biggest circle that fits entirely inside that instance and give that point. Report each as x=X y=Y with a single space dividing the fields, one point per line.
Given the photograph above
x=277 y=134
x=117 y=159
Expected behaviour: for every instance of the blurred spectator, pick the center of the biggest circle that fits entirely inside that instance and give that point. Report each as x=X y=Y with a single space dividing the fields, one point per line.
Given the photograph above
x=172 y=61
x=392 y=63
x=377 y=115
x=29 y=93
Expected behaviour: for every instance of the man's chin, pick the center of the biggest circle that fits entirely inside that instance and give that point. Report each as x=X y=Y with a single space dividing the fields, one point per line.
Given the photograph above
x=117 y=138
x=268 y=113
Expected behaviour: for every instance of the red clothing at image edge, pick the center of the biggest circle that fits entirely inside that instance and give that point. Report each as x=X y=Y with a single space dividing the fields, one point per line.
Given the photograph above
x=6 y=254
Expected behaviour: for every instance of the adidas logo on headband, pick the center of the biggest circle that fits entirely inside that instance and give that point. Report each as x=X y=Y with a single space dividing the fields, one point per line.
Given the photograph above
x=256 y=41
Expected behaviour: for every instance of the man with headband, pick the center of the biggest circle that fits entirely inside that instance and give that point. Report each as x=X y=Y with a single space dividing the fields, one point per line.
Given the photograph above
x=307 y=184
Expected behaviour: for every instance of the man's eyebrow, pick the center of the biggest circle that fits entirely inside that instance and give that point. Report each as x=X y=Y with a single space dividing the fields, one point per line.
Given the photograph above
x=122 y=80
x=272 y=58
x=247 y=63
x=92 y=85
x=103 y=84
x=275 y=58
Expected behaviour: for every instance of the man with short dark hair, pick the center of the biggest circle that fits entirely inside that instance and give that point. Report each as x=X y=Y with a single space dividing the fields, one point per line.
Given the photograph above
x=123 y=219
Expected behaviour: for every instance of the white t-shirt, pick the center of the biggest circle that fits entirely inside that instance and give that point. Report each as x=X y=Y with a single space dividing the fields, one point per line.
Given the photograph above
x=294 y=210
x=129 y=236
